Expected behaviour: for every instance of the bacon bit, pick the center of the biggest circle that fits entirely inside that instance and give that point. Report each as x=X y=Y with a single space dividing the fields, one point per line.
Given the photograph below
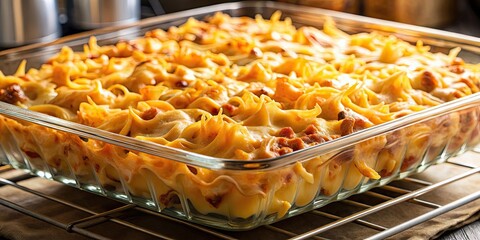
x=311 y=129
x=458 y=69
x=181 y=84
x=214 y=200
x=12 y=94
x=287 y=142
x=192 y=169
x=347 y=126
x=429 y=81
x=284 y=150
x=229 y=109
x=286 y=132
x=296 y=144
x=32 y=154
x=150 y=113
x=282 y=142
x=314 y=138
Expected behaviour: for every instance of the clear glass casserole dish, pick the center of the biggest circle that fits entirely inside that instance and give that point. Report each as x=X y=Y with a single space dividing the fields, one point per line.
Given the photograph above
x=236 y=194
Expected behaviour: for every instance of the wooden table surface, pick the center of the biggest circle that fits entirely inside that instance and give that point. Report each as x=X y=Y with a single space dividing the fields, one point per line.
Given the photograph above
x=469 y=232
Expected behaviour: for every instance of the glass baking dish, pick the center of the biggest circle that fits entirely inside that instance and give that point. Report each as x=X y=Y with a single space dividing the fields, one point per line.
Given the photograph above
x=232 y=194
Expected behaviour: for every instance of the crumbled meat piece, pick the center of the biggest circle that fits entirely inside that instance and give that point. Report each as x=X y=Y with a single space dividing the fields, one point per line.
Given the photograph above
x=284 y=145
x=311 y=129
x=12 y=94
x=347 y=126
x=229 y=109
x=150 y=113
x=284 y=150
x=429 y=82
x=314 y=138
x=286 y=132
x=296 y=144
x=352 y=122
x=458 y=69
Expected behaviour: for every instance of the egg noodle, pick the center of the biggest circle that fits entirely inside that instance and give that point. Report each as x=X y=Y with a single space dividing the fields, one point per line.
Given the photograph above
x=238 y=88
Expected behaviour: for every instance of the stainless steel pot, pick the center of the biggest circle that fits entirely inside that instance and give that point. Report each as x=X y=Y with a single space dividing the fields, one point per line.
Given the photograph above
x=28 y=21
x=90 y=14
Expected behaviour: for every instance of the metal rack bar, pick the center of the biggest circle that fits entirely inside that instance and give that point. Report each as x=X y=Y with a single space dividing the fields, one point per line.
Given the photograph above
x=417 y=181
x=5 y=168
x=358 y=221
x=357 y=204
x=413 y=200
x=19 y=178
x=198 y=227
x=13 y=184
x=100 y=215
x=30 y=213
x=427 y=216
x=461 y=164
x=288 y=233
x=66 y=226
x=384 y=205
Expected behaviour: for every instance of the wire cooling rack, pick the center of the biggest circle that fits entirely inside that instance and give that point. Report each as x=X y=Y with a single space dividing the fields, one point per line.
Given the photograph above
x=409 y=190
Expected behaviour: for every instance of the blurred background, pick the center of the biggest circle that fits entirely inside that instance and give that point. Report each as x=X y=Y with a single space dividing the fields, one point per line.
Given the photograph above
x=28 y=21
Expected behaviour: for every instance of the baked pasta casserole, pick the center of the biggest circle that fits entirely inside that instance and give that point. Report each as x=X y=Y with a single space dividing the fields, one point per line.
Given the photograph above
x=243 y=89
